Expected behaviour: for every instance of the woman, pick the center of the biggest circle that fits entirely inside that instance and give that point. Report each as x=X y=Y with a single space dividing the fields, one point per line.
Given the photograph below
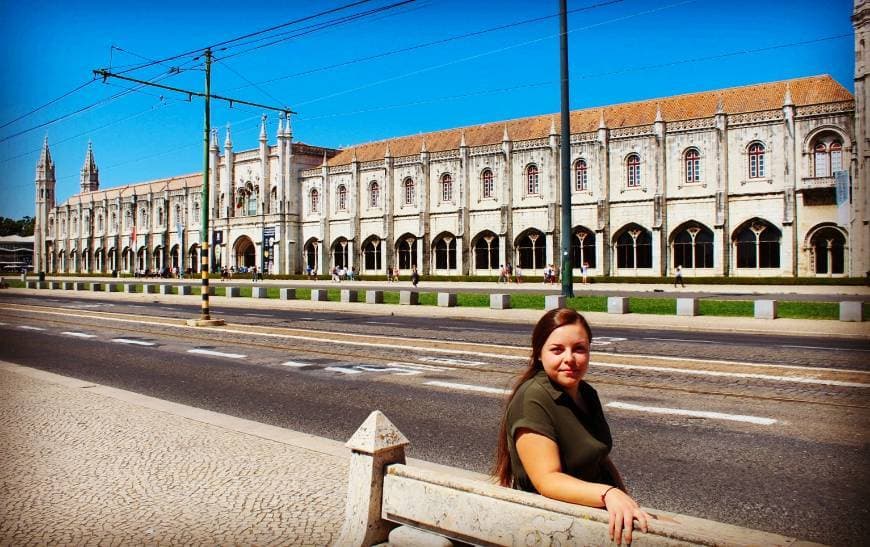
x=554 y=439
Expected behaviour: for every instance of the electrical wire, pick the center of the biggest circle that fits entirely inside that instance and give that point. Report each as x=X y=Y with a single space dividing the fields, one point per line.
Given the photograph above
x=263 y=91
x=38 y=108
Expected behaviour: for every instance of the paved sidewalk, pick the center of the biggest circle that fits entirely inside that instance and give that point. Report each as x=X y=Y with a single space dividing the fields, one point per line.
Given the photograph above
x=85 y=464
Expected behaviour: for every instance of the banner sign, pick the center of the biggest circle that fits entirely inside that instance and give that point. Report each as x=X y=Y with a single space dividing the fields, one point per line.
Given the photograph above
x=268 y=241
x=841 y=179
x=217 y=237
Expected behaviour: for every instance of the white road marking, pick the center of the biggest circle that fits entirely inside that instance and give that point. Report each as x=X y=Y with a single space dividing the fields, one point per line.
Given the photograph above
x=79 y=334
x=694 y=413
x=216 y=353
x=468 y=387
x=28 y=327
x=381 y=323
x=824 y=348
x=295 y=364
x=794 y=379
x=698 y=341
x=450 y=361
x=259 y=315
x=134 y=342
x=343 y=370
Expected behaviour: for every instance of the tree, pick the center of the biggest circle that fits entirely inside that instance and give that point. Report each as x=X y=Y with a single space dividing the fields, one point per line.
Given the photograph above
x=21 y=227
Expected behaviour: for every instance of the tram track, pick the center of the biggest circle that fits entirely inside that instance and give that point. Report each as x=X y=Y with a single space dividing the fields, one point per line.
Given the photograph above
x=358 y=346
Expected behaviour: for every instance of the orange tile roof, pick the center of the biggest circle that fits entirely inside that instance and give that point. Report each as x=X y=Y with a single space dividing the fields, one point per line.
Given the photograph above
x=735 y=100
x=168 y=184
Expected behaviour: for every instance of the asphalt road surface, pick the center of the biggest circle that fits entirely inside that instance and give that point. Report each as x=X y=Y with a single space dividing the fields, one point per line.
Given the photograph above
x=749 y=430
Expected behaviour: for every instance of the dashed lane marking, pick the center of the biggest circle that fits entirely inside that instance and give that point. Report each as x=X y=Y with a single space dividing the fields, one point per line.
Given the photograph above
x=296 y=364
x=216 y=353
x=133 y=342
x=450 y=361
x=826 y=348
x=79 y=334
x=697 y=341
x=343 y=370
x=793 y=379
x=259 y=315
x=28 y=327
x=693 y=413
x=468 y=387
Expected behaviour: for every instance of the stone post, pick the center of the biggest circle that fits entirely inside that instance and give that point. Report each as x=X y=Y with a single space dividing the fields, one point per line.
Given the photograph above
x=376 y=444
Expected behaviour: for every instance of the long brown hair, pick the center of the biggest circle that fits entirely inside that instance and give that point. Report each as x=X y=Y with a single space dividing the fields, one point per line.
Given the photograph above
x=550 y=321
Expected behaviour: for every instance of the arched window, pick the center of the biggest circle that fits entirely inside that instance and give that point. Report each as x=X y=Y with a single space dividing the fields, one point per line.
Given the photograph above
x=251 y=194
x=196 y=216
x=160 y=216
x=756 y=160
x=634 y=248
x=179 y=220
x=114 y=222
x=758 y=245
x=340 y=253
x=128 y=219
x=632 y=171
x=74 y=227
x=827 y=157
x=444 y=249
x=446 y=187
x=531 y=252
x=374 y=195
x=487 y=186
x=583 y=248
x=406 y=249
x=100 y=223
x=341 y=198
x=581 y=181
x=828 y=249
x=692 y=161
x=533 y=180
x=409 y=191
x=143 y=217
x=486 y=252
x=371 y=251
x=693 y=247
x=314 y=201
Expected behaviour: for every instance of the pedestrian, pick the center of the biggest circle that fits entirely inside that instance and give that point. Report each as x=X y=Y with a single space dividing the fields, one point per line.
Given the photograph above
x=509 y=272
x=253 y=274
x=584 y=271
x=554 y=438
x=679 y=276
x=396 y=274
x=502 y=273
x=353 y=274
x=415 y=276
x=518 y=275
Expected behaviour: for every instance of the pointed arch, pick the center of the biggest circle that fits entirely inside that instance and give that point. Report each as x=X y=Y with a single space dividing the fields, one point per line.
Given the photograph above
x=444 y=251
x=486 y=251
x=530 y=248
x=372 y=253
x=244 y=252
x=632 y=246
x=757 y=244
x=340 y=252
x=692 y=245
x=583 y=247
x=406 y=251
x=827 y=246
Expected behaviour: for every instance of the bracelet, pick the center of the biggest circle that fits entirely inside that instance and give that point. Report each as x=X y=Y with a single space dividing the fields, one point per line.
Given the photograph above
x=604 y=495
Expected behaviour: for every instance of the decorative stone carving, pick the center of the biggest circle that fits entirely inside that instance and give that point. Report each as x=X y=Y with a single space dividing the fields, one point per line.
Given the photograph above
x=844 y=107
x=532 y=144
x=755 y=117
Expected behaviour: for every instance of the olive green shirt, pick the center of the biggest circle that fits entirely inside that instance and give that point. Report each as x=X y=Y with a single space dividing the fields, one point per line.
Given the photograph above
x=583 y=437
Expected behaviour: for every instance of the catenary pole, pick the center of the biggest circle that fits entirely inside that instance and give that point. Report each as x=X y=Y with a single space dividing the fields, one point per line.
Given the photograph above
x=203 y=227
x=565 y=156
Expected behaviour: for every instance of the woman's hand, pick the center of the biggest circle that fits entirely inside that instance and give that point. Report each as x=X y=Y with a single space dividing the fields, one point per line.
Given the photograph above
x=623 y=512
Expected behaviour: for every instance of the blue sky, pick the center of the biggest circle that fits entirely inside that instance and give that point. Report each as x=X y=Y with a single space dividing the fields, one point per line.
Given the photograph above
x=619 y=51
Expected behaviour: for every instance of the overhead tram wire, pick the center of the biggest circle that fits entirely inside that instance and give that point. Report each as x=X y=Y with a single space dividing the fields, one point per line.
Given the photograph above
x=38 y=108
x=436 y=42
x=240 y=75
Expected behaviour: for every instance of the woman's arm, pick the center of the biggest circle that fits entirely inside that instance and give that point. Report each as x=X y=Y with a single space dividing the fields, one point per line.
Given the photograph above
x=614 y=472
x=540 y=458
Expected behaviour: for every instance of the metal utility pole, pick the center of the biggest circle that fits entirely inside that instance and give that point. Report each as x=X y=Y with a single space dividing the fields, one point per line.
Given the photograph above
x=205 y=315
x=565 y=156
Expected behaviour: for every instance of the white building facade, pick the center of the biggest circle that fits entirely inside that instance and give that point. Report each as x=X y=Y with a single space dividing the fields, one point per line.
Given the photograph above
x=734 y=182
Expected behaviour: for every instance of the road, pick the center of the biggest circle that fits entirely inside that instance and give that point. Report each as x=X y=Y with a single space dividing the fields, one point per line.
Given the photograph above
x=783 y=446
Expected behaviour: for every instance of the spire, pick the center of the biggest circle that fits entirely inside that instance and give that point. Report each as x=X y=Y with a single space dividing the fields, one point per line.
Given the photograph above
x=387 y=153
x=462 y=143
x=353 y=157
x=288 y=132
x=423 y=146
x=720 y=106
x=280 y=132
x=324 y=159
x=228 y=142
x=505 y=137
x=214 y=139
x=90 y=179
x=45 y=165
x=659 y=113
x=553 y=125
x=263 y=128
x=601 y=123
x=786 y=101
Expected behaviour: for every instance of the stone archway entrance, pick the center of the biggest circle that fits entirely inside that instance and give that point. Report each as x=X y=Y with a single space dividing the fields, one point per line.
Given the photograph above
x=245 y=252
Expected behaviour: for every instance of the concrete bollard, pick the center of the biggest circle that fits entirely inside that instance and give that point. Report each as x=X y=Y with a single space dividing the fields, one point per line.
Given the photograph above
x=446 y=299
x=165 y=288
x=55 y=285
x=554 y=301
x=259 y=292
x=288 y=294
x=97 y=287
x=349 y=295
x=687 y=307
x=409 y=298
x=765 y=309
x=69 y=285
x=110 y=287
x=79 y=286
x=185 y=289
x=375 y=445
x=374 y=297
x=318 y=295
x=617 y=304
x=232 y=292
x=149 y=289
x=852 y=311
x=129 y=287
x=499 y=301
x=408 y=536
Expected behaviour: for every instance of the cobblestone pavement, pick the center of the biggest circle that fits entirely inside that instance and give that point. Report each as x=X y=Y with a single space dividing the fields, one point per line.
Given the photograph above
x=78 y=466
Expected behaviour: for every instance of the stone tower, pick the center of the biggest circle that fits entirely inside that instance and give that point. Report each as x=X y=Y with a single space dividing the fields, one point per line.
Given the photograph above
x=90 y=181
x=45 y=182
x=859 y=229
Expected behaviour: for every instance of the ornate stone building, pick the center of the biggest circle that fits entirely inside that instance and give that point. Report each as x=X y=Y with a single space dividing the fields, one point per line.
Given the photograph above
x=734 y=182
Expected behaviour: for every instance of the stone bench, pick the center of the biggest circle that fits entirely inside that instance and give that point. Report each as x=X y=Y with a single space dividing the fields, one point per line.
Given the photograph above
x=259 y=292
x=96 y=287
x=409 y=298
x=185 y=289
x=165 y=288
x=319 y=295
x=765 y=309
x=130 y=287
x=447 y=299
x=374 y=297
x=554 y=301
x=499 y=301
x=232 y=292
x=687 y=307
x=287 y=294
x=149 y=289
x=618 y=305
x=852 y=311
x=349 y=295
x=412 y=506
